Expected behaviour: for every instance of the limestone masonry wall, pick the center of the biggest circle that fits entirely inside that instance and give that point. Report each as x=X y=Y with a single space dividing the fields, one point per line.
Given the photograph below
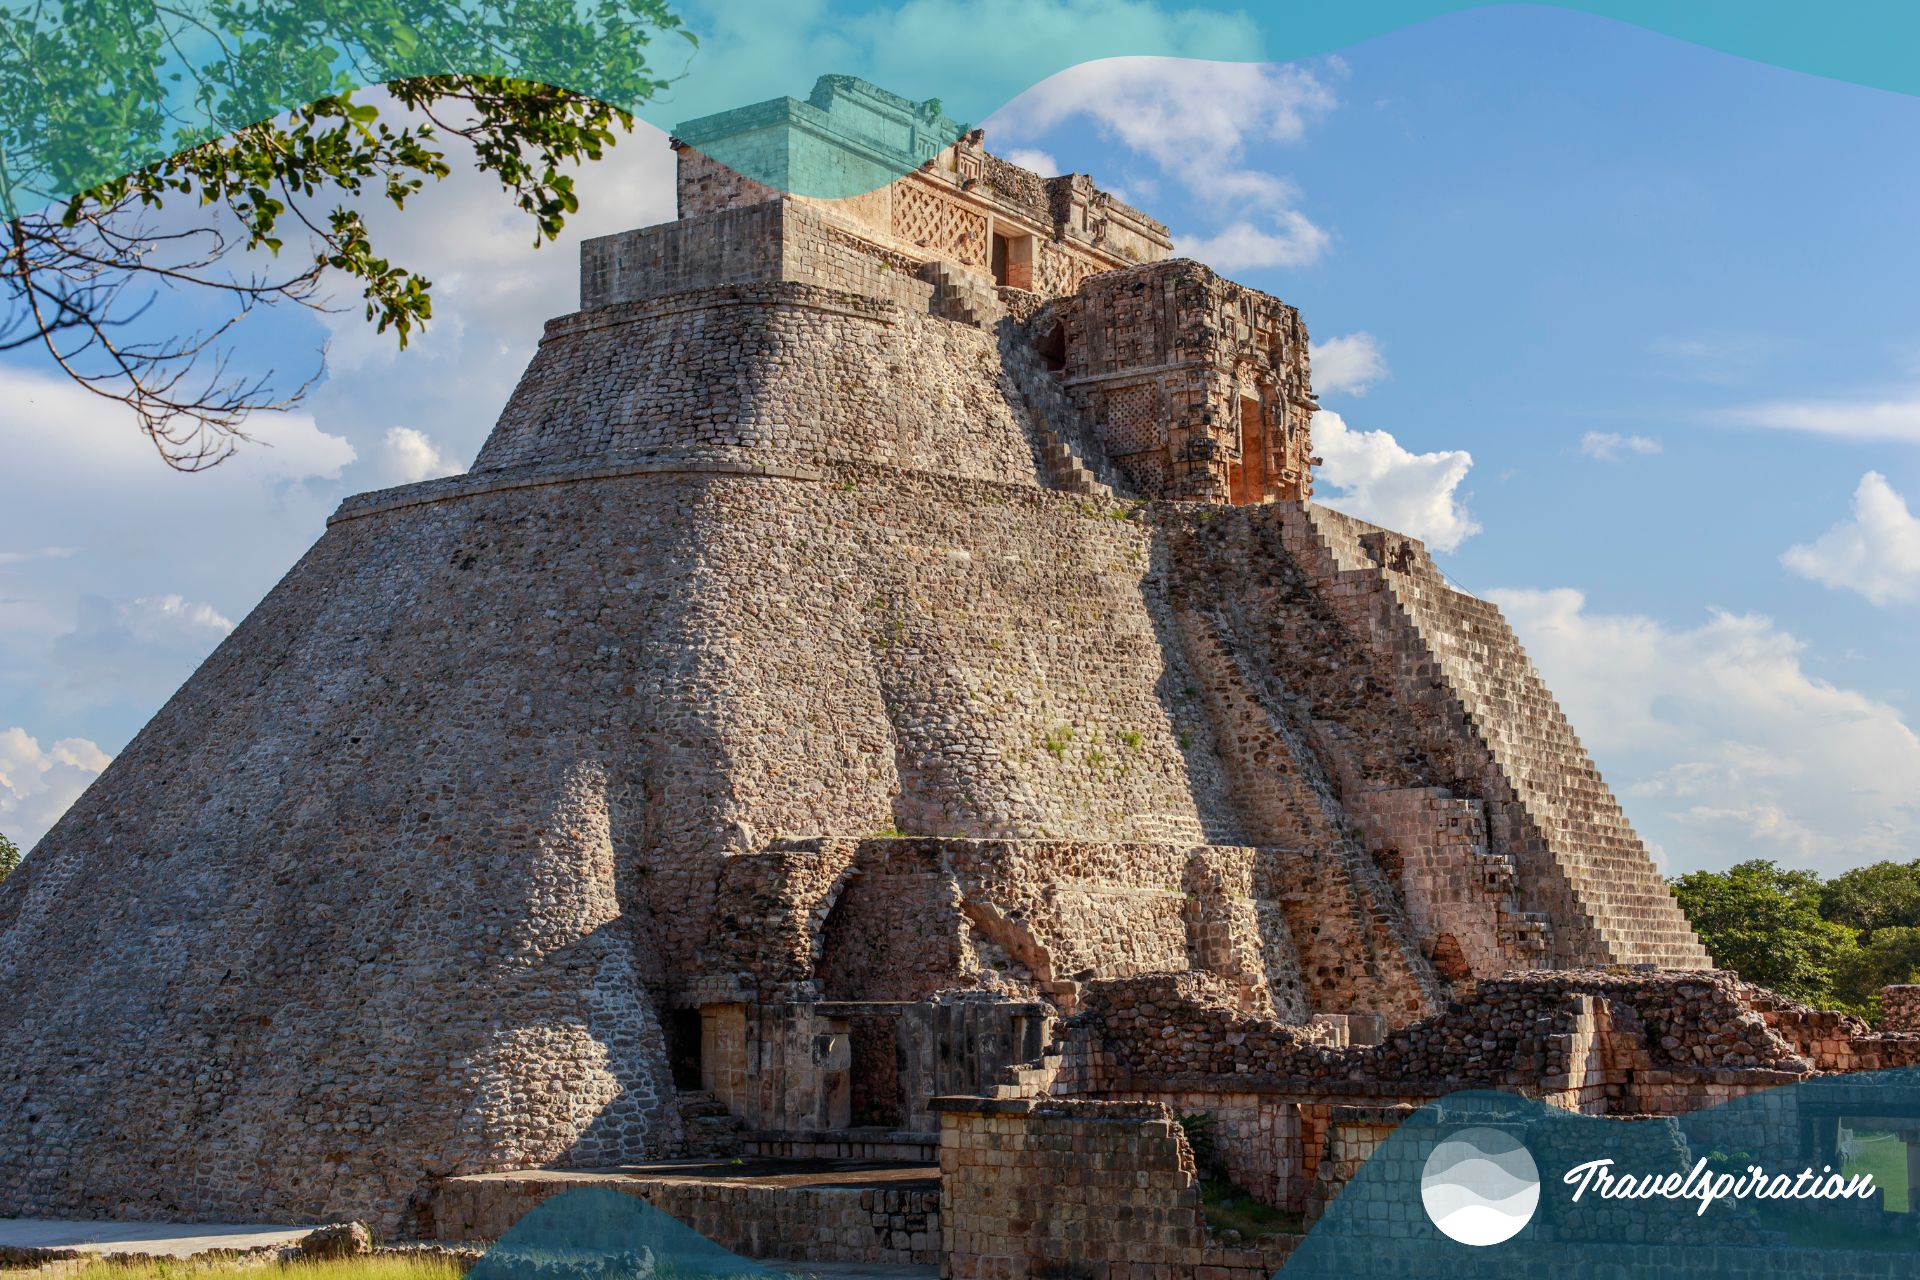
x=810 y=376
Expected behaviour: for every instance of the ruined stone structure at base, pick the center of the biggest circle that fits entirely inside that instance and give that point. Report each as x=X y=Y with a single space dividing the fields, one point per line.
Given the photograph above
x=883 y=691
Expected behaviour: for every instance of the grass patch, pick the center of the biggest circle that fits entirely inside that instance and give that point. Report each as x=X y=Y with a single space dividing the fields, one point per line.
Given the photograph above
x=1885 y=1157
x=1229 y=1207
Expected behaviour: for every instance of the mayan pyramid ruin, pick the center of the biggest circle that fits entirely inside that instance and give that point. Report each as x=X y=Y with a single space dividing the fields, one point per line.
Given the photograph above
x=883 y=672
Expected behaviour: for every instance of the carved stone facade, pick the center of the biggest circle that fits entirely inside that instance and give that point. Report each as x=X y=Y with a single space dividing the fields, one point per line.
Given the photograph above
x=1198 y=388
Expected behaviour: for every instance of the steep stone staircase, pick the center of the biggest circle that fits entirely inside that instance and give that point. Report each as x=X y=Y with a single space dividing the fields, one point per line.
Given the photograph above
x=711 y=1129
x=1028 y=1079
x=960 y=295
x=1064 y=468
x=1071 y=458
x=1613 y=888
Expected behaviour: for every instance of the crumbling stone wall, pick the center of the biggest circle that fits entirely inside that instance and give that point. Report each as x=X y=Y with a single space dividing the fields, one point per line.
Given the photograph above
x=1603 y=1043
x=1528 y=1034
x=1836 y=1041
x=1900 y=1008
x=1106 y=1190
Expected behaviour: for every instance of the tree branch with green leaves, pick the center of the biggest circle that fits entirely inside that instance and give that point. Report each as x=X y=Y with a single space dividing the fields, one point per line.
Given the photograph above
x=274 y=211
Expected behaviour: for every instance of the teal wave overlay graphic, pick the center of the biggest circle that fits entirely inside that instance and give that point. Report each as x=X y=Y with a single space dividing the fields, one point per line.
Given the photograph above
x=1679 y=1197
x=596 y=1233
x=91 y=89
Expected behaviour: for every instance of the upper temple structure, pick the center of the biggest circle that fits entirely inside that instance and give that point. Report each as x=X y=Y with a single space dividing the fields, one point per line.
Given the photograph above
x=883 y=683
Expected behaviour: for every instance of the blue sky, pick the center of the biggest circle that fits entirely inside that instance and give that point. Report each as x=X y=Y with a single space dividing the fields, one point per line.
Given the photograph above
x=1623 y=326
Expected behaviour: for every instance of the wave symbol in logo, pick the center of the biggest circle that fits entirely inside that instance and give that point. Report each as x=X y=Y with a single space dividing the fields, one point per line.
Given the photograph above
x=1480 y=1186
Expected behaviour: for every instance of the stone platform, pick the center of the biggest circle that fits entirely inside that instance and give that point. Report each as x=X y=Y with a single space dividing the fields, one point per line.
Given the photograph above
x=55 y=1238
x=826 y=1211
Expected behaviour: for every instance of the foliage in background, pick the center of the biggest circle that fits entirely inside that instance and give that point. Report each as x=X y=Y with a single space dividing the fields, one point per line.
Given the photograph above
x=87 y=86
x=9 y=856
x=1831 y=943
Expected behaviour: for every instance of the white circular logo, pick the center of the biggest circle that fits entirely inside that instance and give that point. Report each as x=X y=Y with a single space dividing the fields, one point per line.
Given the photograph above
x=1480 y=1186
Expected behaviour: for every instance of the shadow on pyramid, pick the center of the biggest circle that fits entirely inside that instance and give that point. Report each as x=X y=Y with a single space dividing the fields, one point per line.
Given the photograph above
x=594 y=1233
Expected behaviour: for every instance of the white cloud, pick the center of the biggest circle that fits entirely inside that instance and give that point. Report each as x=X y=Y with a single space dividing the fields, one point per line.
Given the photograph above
x=1350 y=363
x=1610 y=446
x=37 y=785
x=1888 y=420
x=1181 y=112
x=1877 y=553
x=1295 y=242
x=1380 y=480
x=1195 y=119
x=1038 y=161
x=1720 y=742
x=414 y=457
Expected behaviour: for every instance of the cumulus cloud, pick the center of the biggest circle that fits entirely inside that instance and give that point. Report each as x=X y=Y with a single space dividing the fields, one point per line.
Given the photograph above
x=1195 y=120
x=52 y=424
x=1349 y=363
x=37 y=784
x=492 y=288
x=1293 y=241
x=1876 y=553
x=1610 y=446
x=1720 y=742
x=1181 y=112
x=1896 y=420
x=1381 y=480
x=413 y=456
